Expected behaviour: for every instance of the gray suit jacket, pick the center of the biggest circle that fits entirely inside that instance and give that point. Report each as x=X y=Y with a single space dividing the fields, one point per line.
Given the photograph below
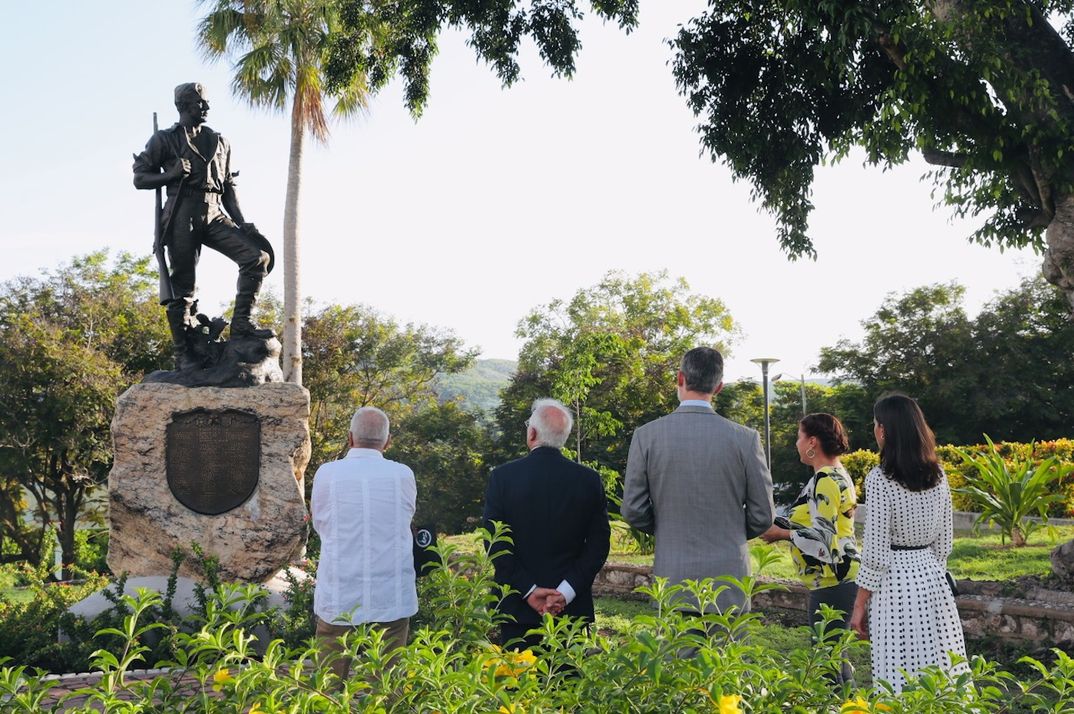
x=700 y=484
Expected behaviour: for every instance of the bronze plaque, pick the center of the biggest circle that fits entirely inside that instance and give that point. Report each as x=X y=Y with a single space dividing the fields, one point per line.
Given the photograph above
x=213 y=458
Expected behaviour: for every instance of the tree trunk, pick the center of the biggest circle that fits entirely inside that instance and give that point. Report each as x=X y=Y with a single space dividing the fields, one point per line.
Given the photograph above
x=68 y=514
x=292 y=297
x=1058 y=265
x=1018 y=539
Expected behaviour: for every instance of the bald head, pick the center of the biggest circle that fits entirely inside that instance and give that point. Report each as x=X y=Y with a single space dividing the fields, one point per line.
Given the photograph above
x=551 y=422
x=369 y=429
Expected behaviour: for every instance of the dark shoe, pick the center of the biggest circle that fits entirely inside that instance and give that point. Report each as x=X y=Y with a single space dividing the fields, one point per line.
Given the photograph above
x=245 y=298
x=178 y=324
x=242 y=327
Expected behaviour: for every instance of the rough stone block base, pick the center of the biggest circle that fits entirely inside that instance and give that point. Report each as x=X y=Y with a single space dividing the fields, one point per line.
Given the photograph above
x=252 y=541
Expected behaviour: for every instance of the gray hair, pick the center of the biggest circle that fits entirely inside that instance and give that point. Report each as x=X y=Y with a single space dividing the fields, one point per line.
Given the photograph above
x=552 y=421
x=369 y=427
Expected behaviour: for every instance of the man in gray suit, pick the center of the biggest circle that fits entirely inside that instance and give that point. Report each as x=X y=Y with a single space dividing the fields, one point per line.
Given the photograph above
x=699 y=483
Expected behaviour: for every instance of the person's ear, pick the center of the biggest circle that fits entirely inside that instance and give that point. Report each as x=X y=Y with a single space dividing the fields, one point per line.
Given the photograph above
x=680 y=378
x=719 y=388
x=387 y=442
x=350 y=440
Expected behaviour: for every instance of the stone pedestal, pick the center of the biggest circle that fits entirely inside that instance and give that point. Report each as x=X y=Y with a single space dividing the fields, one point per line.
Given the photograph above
x=265 y=529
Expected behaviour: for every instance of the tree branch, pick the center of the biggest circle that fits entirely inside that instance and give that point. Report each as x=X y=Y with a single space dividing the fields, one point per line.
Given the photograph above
x=945 y=158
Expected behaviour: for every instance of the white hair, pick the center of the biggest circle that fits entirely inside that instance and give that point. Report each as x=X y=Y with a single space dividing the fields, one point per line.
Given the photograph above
x=369 y=425
x=552 y=421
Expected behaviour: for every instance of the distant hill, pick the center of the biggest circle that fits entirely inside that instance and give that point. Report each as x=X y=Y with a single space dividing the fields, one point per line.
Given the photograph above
x=479 y=387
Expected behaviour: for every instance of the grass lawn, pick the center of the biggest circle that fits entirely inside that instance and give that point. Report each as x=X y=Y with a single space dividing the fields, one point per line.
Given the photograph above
x=974 y=557
x=9 y=590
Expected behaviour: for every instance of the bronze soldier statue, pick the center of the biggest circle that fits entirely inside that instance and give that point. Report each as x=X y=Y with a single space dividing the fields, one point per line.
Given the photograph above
x=193 y=163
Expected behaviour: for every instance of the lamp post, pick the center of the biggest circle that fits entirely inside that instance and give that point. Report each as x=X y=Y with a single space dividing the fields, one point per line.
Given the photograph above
x=803 y=396
x=765 y=362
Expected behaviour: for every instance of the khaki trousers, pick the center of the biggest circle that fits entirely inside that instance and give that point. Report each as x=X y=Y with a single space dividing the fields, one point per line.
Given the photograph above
x=395 y=636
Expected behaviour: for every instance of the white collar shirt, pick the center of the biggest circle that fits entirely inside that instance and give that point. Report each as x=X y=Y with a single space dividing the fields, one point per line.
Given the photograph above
x=362 y=506
x=695 y=403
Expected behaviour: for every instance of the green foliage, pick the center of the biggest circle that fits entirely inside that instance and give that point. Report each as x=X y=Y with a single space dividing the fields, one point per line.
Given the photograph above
x=29 y=625
x=91 y=549
x=450 y=665
x=70 y=342
x=744 y=402
x=959 y=471
x=39 y=631
x=611 y=352
x=445 y=447
x=985 y=557
x=353 y=357
x=478 y=387
x=279 y=50
x=1006 y=494
x=783 y=86
x=380 y=41
x=995 y=373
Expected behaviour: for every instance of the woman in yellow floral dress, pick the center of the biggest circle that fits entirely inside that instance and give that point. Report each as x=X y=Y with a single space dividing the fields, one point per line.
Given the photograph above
x=821 y=523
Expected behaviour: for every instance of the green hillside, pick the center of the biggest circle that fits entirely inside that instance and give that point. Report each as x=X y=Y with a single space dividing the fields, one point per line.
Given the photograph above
x=478 y=387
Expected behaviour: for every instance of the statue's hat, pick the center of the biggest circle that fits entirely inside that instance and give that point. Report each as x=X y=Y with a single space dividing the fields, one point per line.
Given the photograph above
x=189 y=91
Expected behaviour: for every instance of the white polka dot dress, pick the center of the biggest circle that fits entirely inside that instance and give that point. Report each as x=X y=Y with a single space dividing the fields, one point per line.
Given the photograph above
x=913 y=619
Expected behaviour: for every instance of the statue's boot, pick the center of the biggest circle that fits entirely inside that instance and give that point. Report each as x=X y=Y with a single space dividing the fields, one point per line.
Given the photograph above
x=177 y=323
x=241 y=324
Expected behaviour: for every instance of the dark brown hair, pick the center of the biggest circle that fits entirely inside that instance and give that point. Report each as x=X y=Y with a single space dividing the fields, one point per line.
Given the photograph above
x=827 y=430
x=703 y=369
x=908 y=455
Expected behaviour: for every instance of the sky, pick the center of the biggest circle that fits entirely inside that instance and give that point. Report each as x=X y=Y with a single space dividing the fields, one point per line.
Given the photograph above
x=494 y=202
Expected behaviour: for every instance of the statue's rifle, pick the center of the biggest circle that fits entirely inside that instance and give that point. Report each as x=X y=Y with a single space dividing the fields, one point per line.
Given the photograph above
x=165 y=289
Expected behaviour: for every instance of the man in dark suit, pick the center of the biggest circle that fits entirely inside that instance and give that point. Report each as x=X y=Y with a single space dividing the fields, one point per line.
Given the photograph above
x=558 y=517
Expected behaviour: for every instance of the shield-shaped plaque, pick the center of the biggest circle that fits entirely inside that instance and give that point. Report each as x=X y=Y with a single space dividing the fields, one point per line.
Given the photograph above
x=213 y=458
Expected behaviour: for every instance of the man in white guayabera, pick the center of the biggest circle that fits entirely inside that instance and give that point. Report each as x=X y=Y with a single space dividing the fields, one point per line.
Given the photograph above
x=362 y=508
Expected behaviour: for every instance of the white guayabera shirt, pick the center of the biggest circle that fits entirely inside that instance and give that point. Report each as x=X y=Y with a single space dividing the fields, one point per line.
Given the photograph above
x=362 y=507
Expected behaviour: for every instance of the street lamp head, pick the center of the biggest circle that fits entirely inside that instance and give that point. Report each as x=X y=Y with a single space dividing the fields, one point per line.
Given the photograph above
x=765 y=361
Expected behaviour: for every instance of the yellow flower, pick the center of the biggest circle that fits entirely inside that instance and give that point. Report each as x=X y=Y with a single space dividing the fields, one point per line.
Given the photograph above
x=861 y=704
x=222 y=677
x=510 y=709
x=526 y=658
x=729 y=704
x=514 y=664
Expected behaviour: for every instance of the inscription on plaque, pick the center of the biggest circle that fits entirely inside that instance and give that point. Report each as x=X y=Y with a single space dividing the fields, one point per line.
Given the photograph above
x=213 y=459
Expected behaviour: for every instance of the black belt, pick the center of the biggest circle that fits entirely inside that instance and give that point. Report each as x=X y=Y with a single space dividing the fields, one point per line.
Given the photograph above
x=199 y=196
x=908 y=547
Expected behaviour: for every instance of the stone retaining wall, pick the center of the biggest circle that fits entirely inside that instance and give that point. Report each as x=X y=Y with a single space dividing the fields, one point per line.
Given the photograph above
x=1045 y=620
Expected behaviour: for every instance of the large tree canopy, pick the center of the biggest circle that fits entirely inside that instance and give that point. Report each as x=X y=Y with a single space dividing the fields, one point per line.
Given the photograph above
x=70 y=342
x=610 y=353
x=385 y=38
x=984 y=90
x=994 y=374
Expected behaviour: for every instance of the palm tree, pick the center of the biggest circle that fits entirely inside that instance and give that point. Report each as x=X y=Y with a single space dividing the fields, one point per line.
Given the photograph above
x=279 y=48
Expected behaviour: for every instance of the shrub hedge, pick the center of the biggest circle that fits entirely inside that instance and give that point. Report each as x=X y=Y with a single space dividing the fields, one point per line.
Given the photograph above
x=450 y=664
x=859 y=463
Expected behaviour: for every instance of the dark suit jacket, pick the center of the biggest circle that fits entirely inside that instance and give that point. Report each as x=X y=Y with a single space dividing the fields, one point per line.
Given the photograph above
x=559 y=523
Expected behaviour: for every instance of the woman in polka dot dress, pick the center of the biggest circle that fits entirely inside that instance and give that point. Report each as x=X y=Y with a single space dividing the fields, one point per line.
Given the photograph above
x=912 y=617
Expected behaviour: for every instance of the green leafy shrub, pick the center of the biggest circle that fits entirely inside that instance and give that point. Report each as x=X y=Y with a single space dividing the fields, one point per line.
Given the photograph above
x=91 y=549
x=29 y=628
x=859 y=463
x=1006 y=491
x=451 y=666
